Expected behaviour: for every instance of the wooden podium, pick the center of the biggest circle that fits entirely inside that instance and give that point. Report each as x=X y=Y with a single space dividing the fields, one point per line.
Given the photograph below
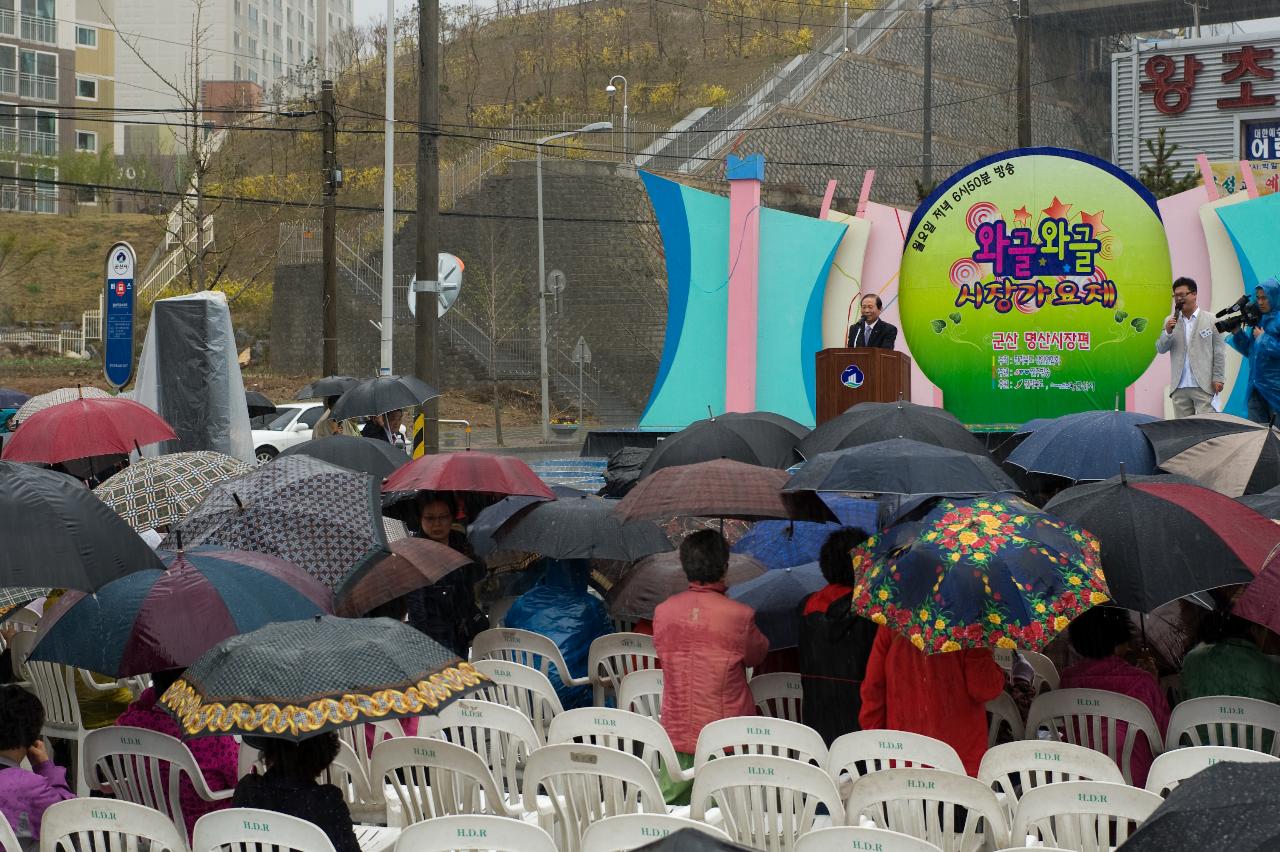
x=881 y=375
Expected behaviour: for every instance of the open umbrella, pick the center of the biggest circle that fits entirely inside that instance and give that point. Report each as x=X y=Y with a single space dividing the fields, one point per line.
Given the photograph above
x=776 y=597
x=83 y=428
x=1165 y=537
x=1001 y=451
x=42 y=401
x=56 y=533
x=328 y=386
x=720 y=489
x=782 y=544
x=869 y=422
x=258 y=404
x=753 y=438
x=322 y=517
x=1225 y=806
x=382 y=394
x=1113 y=438
x=901 y=466
x=581 y=527
x=1267 y=503
x=155 y=620
x=1228 y=454
x=366 y=455
x=300 y=678
x=655 y=578
x=469 y=472
x=160 y=491
x=412 y=564
x=490 y=519
x=984 y=572
x=10 y=398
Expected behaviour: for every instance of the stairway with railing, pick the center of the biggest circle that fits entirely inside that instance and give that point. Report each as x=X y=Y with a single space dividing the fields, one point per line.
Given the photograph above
x=173 y=264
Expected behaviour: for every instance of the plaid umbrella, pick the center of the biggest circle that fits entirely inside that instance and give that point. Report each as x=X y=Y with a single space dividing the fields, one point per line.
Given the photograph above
x=986 y=572
x=84 y=428
x=296 y=679
x=311 y=513
x=42 y=401
x=17 y=596
x=160 y=491
x=719 y=489
x=655 y=578
x=1229 y=454
x=412 y=564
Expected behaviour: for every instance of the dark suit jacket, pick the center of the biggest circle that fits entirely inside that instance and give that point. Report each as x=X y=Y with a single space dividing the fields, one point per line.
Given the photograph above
x=883 y=336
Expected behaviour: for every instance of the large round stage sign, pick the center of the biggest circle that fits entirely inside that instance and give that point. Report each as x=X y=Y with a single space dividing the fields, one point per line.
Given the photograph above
x=1034 y=283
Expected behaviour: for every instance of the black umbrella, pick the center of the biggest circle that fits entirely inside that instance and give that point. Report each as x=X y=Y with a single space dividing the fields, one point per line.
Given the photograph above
x=482 y=531
x=759 y=438
x=1165 y=537
x=581 y=527
x=295 y=679
x=328 y=386
x=1225 y=806
x=691 y=840
x=366 y=455
x=55 y=532
x=1267 y=503
x=1001 y=451
x=258 y=404
x=1114 y=440
x=869 y=422
x=382 y=394
x=1228 y=454
x=901 y=466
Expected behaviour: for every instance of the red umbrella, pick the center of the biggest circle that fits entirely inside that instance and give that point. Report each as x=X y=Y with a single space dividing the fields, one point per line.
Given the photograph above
x=720 y=489
x=481 y=473
x=83 y=428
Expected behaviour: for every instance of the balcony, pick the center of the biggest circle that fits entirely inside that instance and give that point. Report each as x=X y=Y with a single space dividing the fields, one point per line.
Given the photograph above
x=43 y=30
x=38 y=87
x=8 y=140
x=8 y=81
x=8 y=22
x=33 y=143
x=27 y=199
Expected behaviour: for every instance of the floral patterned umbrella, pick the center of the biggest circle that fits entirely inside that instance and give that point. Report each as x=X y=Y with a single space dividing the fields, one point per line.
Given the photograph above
x=985 y=572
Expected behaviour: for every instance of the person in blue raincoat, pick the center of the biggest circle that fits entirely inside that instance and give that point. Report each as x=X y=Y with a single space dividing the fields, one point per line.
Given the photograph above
x=561 y=609
x=1261 y=345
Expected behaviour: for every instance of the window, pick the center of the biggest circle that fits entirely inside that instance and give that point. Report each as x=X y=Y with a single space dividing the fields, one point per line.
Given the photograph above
x=43 y=64
x=253 y=46
x=86 y=89
x=237 y=7
x=253 y=76
x=235 y=71
x=86 y=36
x=311 y=416
x=87 y=140
x=235 y=40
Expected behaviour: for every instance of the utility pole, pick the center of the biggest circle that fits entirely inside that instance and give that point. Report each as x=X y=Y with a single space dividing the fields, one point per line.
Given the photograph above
x=1195 y=14
x=844 y=29
x=926 y=145
x=389 y=200
x=427 y=244
x=1022 y=29
x=329 y=142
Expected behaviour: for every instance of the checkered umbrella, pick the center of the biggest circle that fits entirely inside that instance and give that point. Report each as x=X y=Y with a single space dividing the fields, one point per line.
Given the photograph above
x=160 y=491
x=296 y=679
x=56 y=397
x=719 y=489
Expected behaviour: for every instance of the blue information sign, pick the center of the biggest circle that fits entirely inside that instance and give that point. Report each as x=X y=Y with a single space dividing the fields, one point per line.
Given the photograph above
x=1261 y=139
x=117 y=316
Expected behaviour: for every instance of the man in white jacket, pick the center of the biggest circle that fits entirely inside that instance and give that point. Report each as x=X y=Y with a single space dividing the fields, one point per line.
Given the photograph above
x=1196 y=353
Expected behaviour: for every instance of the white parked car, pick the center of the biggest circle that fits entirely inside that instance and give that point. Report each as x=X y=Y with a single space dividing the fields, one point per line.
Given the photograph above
x=293 y=424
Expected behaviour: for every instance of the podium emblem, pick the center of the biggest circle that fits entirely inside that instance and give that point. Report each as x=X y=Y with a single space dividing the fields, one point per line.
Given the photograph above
x=852 y=377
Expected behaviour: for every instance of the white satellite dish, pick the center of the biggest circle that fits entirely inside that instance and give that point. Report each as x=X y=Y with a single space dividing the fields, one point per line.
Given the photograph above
x=449 y=274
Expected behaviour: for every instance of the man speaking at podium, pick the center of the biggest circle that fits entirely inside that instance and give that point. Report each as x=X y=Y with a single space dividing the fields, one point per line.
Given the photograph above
x=872 y=331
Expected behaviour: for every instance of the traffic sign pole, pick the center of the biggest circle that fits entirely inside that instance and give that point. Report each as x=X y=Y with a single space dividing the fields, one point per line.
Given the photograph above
x=118 y=315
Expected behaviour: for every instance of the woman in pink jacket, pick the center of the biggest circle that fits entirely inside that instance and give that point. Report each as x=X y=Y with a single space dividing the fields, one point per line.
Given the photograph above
x=705 y=642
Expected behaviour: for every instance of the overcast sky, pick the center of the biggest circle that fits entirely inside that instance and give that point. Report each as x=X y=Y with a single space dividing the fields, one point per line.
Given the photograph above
x=375 y=10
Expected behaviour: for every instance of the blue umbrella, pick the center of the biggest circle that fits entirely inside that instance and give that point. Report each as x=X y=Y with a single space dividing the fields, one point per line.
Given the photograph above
x=1088 y=446
x=776 y=597
x=782 y=544
x=10 y=398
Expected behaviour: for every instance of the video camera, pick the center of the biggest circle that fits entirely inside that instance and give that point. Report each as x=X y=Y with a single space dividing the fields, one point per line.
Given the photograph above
x=1245 y=313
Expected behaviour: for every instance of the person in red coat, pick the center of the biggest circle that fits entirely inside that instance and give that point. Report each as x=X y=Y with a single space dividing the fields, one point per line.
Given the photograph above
x=706 y=643
x=943 y=696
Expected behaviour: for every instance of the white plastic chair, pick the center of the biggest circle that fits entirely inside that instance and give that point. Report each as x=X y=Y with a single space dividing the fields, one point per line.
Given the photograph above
x=585 y=784
x=1087 y=816
x=1226 y=720
x=108 y=826
x=859 y=752
x=356 y=737
x=502 y=736
x=1177 y=765
x=498 y=610
x=780 y=695
x=526 y=648
x=954 y=812
x=1002 y=711
x=433 y=778
x=1013 y=768
x=862 y=837
x=759 y=735
x=1091 y=718
x=474 y=832
x=628 y=732
x=641 y=692
x=146 y=767
x=766 y=802
x=611 y=658
x=251 y=829
x=8 y=840
x=523 y=688
x=631 y=831
x=1046 y=673
x=364 y=799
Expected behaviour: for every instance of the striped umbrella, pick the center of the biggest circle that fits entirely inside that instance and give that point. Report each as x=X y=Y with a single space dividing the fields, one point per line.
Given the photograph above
x=1229 y=454
x=156 y=492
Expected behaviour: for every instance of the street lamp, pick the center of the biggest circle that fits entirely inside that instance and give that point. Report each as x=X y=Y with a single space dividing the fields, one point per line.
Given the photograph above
x=611 y=89
x=542 y=274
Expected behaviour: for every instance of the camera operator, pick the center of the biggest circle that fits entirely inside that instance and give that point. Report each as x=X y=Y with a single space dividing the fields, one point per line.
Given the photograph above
x=1197 y=354
x=1260 y=343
